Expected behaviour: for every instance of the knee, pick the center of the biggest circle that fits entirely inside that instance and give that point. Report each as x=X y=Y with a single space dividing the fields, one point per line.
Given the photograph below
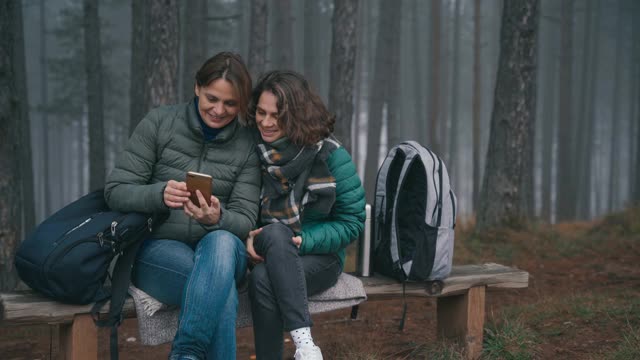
x=220 y=241
x=274 y=235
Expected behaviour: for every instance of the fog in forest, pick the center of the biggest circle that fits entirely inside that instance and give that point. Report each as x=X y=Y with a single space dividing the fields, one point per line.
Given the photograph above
x=423 y=70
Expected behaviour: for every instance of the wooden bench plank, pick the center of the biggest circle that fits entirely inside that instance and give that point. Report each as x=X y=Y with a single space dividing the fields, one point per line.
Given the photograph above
x=461 y=279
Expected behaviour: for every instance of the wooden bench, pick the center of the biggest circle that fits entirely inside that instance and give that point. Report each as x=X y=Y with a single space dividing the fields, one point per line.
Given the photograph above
x=460 y=308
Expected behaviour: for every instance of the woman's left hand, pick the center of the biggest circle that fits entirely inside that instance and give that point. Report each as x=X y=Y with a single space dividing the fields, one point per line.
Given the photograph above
x=205 y=214
x=297 y=241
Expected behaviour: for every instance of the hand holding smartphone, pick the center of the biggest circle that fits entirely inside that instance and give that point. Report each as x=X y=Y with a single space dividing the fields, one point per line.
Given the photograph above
x=202 y=182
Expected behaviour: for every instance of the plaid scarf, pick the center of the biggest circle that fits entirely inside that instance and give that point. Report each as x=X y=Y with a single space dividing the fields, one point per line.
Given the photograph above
x=294 y=178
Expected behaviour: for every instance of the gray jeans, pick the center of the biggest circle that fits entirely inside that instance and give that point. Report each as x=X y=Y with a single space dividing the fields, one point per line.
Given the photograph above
x=279 y=287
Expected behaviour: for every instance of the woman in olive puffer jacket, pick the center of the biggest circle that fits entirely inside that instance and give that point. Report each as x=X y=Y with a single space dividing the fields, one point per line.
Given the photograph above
x=196 y=256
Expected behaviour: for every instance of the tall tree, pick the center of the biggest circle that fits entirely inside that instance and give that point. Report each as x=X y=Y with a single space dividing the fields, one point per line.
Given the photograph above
x=435 y=81
x=586 y=107
x=455 y=104
x=195 y=44
x=616 y=121
x=343 y=57
x=283 y=55
x=26 y=164
x=387 y=48
x=154 y=60
x=503 y=197
x=93 y=66
x=258 y=38
x=566 y=192
x=44 y=104
x=10 y=129
x=477 y=100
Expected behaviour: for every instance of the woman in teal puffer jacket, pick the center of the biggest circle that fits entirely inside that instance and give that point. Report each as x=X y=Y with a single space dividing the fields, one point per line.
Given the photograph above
x=196 y=256
x=312 y=207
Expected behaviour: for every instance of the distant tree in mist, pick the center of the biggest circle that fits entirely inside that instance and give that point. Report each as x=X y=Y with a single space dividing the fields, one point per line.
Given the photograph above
x=10 y=143
x=504 y=196
x=154 y=59
x=95 y=100
x=258 y=38
x=343 y=58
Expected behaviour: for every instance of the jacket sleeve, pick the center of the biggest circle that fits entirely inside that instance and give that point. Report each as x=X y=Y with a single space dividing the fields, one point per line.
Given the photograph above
x=241 y=211
x=347 y=216
x=127 y=187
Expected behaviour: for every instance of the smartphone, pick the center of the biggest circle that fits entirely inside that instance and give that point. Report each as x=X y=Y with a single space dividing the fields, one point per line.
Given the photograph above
x=202 y=182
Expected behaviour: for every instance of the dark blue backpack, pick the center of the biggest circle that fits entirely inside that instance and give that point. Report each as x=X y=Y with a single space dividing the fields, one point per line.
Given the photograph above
x=69 y=255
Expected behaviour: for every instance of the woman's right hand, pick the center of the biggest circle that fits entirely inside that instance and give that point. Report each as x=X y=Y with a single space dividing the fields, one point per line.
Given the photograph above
x=175 y=194
x=253 y=255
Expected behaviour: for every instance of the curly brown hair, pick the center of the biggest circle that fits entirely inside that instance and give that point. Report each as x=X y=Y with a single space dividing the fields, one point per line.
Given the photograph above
x=301 y=113
x=228 y=66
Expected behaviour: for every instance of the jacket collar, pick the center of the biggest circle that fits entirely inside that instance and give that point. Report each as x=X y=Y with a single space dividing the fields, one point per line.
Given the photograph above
x=194 y=124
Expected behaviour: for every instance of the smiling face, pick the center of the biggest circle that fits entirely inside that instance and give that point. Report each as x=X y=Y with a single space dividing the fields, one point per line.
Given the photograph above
x=218 y=103
x=267 y=117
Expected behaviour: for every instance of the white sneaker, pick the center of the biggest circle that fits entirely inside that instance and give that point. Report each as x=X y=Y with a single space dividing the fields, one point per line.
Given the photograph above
x=308 y=353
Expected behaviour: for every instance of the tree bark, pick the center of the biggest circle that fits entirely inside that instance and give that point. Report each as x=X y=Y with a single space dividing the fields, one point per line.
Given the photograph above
x=44 y=111
x=385 y=74
x=139 y=53
x=614 y=150
x=258 y=38
x=566 y=192
x=343 y=57
x=93 y=64
x=434 y=93
x=195 y=45
x=455 y=72
x=10 y=129
x=503 y=197
x=477 y=100
x=27 y=189
x=282 y=50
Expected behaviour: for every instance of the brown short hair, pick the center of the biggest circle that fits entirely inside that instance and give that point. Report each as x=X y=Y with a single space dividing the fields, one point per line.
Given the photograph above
x=301 y=113
x=228 y=66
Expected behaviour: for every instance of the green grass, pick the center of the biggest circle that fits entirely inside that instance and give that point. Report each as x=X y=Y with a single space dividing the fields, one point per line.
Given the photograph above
x=629 y=348
x=509 y=340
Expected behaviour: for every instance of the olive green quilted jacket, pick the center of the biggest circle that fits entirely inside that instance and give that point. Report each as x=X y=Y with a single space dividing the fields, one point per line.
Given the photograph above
x=167 y=144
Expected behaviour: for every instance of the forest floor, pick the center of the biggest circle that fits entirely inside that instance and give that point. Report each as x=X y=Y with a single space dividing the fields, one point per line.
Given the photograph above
x=583 y=302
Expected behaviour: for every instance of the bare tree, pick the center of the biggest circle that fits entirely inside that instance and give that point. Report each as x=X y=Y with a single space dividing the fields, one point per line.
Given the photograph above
x=283 y=54
x=343 y=57
x=10 y=130
x=196 y=42
x=503 y=197
x=434 y=93
x=566 y=192
x=26 y=163
x=258 y=38
x=616 y=121
x=477 y=100
x=387 y=48
x=154 y=60
x=93 y=66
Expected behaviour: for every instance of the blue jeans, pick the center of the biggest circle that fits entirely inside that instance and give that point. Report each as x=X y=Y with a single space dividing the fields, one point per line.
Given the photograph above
x=202 y=281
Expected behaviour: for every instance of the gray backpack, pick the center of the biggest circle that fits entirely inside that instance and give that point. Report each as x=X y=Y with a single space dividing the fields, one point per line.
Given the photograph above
x=414 y=215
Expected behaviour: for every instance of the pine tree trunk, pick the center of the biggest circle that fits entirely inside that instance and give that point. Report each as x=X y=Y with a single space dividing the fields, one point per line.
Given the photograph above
x=44 y=104
x=566 y=192
x=140 y=45
x=282 y=39
x=434 y=93
x=26 y=164
x=258 y=38
x=195 y=45
x=343 y=57
x=93 y=64
x=10 y=128
x=477 y=100
x=503 y=199
x=387 y=47
x=614 y=152
x=455 y=72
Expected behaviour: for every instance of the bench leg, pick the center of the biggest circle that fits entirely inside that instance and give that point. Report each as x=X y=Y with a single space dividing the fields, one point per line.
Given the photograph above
x=461 y=317
x=79 y=340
